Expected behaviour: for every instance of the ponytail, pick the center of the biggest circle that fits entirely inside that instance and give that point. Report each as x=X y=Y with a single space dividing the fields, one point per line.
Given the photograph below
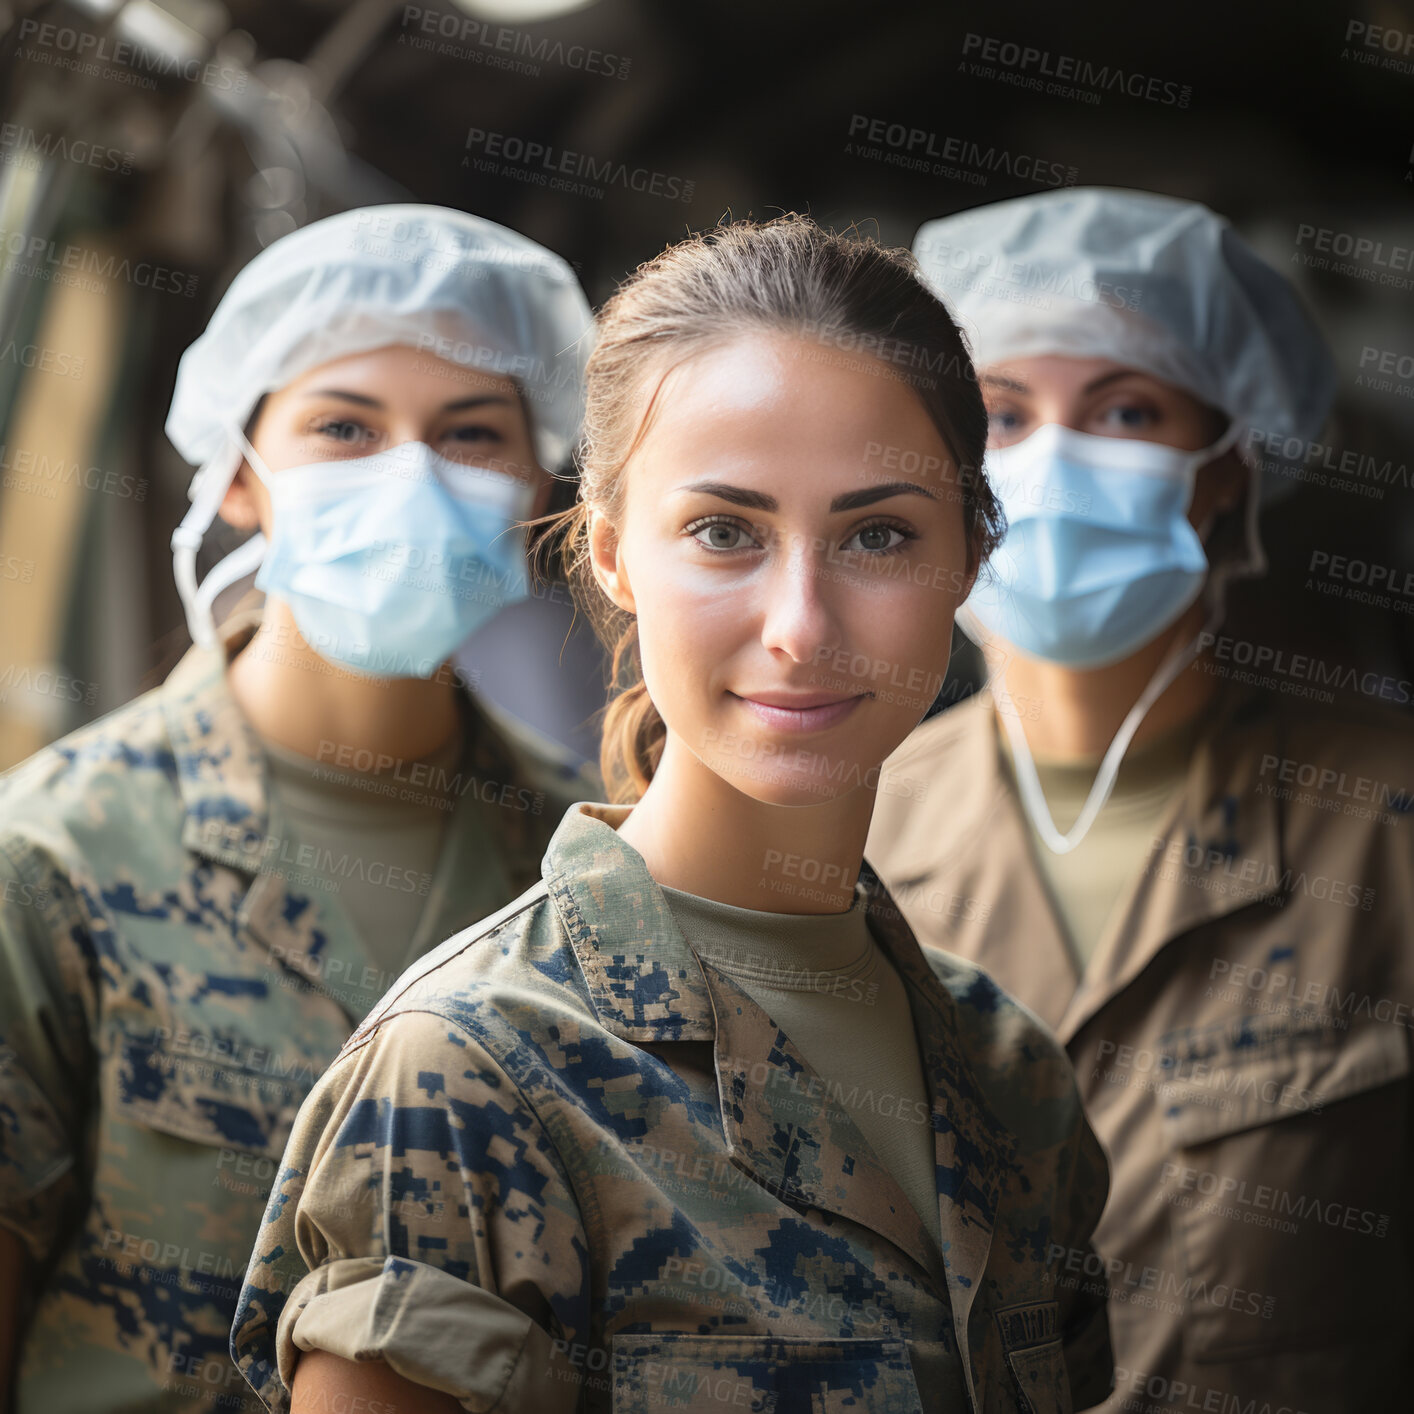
x=634 y=733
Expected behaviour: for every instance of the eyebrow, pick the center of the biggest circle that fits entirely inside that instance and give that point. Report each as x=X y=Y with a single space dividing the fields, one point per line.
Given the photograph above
x=846 y=501
x=1016 y=385
x=995 y=380
x=363 y=400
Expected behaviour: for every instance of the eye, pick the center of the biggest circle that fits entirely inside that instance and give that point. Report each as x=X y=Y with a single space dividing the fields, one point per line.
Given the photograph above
x=1002 y=424
x=1129 y=416
x=473 y=433
x=880 y=537
x=721 y=533
x=347 y=432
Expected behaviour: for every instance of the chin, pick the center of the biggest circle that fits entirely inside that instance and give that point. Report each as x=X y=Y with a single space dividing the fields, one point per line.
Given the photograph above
x=785 y=786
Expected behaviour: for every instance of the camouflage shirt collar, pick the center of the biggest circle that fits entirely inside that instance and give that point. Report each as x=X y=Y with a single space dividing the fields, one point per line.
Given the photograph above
x=219 y=762
x=644 y=979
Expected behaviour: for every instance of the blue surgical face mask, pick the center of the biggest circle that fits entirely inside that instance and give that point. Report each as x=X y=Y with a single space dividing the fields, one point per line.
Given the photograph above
x=1099 y=557
x=390 y=561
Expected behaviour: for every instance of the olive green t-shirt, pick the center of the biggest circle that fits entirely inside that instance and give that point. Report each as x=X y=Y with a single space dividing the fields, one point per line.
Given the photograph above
x=1089 y=882
x=371 y=839
x=823 y=980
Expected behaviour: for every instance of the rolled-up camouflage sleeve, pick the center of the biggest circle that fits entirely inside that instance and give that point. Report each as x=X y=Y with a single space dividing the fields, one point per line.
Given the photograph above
x=420 y=1217
x=1084 y=1303
x=43 y=1043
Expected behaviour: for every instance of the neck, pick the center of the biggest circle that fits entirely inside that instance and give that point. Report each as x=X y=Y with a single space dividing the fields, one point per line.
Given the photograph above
x=1079 y=711
x=700 y=834
x=295 y=698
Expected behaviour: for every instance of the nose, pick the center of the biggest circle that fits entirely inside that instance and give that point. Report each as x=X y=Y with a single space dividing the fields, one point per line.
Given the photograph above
x=798 y=617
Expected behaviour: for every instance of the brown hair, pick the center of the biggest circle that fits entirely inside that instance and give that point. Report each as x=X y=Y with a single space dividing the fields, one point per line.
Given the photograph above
x=786 y=275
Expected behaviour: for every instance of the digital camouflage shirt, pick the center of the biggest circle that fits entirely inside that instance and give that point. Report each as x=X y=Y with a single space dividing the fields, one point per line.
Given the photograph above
x=173 y=980
x=567 y=1165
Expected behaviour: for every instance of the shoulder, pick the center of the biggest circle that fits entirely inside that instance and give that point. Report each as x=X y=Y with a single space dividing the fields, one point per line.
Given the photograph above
x=132 y=738
x=1030 y=1090
x=114 y=776
x=1343 y=777
x=990 y=1015
x=1368 y=738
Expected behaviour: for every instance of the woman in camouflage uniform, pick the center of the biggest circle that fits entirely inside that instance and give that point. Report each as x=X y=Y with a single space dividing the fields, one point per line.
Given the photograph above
x=694 y=1122
x=202 y=893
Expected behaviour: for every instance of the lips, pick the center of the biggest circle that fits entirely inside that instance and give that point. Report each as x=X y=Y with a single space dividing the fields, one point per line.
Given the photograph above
x=799 y=712
x=794 y=701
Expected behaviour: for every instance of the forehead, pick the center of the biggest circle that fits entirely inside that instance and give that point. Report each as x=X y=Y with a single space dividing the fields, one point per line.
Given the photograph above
x=408 y=371
x=768 y=400
x=1063 y=374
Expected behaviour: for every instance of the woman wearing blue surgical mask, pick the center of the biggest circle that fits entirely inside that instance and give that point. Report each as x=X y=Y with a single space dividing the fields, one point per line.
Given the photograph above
x=1193 y=870
x=386 y=489
x=1112 y=479
x=203 y=893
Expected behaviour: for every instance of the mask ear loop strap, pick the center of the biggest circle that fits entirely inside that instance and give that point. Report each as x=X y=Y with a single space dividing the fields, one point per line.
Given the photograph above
x=243 y=560
x=208 y=491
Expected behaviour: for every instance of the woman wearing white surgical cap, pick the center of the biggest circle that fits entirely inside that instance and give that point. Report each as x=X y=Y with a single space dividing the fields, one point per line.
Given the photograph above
x=1200 y=880
x=202 y=893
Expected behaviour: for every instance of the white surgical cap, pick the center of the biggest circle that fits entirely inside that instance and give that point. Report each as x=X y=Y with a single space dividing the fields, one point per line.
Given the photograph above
x=1154 y=283
x=459 y=287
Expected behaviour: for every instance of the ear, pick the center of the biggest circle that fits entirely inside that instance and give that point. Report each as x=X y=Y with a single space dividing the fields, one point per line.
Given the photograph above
x=606 y=562
x=1219 y=486
x=238 y=505
x=1236 y=477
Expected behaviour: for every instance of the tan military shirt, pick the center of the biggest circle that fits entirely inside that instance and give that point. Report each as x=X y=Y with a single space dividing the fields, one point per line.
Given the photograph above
x=567 y=1164
x=1241 y=1039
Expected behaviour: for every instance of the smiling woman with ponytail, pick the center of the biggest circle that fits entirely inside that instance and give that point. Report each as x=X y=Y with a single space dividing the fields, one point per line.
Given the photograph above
x=676 y=1119
x=738 y=279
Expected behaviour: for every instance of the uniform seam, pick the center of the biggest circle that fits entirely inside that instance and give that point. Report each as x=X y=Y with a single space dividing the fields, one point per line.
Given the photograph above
x=559 y=890
x=510 y=1372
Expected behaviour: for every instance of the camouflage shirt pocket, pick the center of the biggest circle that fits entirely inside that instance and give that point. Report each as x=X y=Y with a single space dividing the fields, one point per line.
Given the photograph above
x=203 y=1098
x=1035 y=1356
x=696 y=1374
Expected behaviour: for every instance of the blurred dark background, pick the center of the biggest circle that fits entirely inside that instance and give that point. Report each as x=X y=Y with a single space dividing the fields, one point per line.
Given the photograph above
x=213 y=129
